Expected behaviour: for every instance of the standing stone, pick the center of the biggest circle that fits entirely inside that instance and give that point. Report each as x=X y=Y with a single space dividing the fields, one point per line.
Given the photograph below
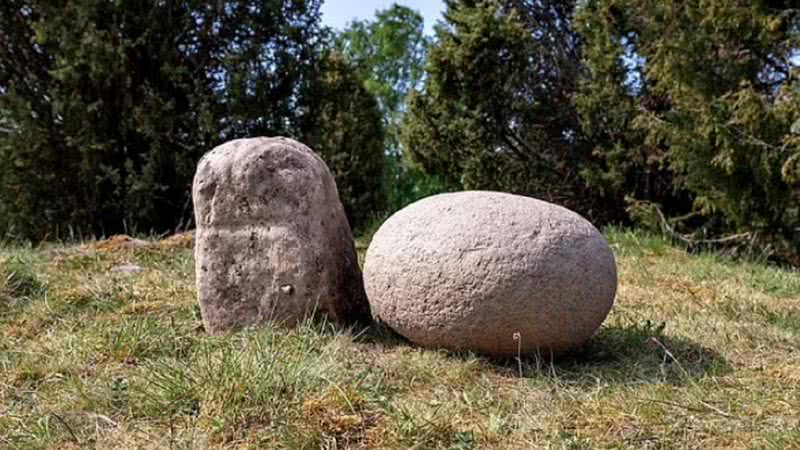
x=490 y=272
x=272 y=242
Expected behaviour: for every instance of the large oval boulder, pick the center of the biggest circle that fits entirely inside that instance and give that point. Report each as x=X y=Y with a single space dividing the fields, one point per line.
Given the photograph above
x=490 y=272
x=272 y=240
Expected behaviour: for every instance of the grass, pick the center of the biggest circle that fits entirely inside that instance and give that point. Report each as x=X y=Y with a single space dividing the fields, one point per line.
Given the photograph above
x=699 y=352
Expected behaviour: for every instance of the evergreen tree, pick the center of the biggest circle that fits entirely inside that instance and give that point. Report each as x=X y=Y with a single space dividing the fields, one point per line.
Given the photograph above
x=707 y=91
x=106 y=106
x=345 y=126
x=496 y=109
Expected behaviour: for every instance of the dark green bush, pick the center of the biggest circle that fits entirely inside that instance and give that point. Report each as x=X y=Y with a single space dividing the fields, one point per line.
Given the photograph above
x=106 y=106
x=345 y=127
x=495 y=111
x=695 y=106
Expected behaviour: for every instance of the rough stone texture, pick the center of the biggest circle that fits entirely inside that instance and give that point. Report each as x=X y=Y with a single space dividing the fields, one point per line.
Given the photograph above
x=272 y=239
x=470 y=270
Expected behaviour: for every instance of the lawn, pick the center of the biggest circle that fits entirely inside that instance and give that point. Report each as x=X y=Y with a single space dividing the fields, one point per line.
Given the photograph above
x=698 y=352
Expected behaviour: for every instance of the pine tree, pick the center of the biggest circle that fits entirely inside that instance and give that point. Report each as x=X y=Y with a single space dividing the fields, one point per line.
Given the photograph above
x=345 y=126
x=496 y=109
x=106 y=106
x=712 y=98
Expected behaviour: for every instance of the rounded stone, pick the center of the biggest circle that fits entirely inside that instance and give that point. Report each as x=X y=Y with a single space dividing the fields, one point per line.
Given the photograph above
x=490 y=272
x=272 y=241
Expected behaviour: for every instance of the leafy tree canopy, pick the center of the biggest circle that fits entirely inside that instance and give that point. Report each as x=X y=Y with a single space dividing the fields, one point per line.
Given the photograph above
x=389 y=52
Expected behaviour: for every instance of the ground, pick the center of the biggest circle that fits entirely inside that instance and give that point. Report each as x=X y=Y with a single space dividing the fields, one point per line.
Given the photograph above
x=698 y=352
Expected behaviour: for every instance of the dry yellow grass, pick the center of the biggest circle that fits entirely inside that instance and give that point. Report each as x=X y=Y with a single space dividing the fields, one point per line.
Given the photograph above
x=699 y=352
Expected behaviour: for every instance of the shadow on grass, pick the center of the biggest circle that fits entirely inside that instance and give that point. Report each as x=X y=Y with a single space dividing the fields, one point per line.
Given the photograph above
x=634 y=353
x=617 y=354
x=378 y=334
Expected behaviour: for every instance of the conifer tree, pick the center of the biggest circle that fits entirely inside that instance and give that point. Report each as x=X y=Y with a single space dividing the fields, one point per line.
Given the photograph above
x=705 y=91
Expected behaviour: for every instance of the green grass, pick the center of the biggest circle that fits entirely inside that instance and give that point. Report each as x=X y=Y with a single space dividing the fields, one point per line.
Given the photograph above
x=699 y=352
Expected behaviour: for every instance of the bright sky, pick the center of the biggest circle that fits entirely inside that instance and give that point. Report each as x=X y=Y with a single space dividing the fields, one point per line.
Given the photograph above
x=337 y=13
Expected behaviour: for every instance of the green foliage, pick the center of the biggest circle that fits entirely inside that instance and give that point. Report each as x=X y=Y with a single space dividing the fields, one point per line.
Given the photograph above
x=701 y=97
x=105 y=107
x=406 y=183
x=495 y=111
x=687 y=109
x=106 y=119
x=389 y=53
x=345 y=127
x=622 y=164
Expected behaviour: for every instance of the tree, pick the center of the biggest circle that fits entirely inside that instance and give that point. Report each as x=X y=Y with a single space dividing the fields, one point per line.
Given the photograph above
x=389 y=53
x=715 y=101
x=496 y=109
x=269 y=55
x=106 y=117
x=623 y=166
x=345 y=127
x=107 y=105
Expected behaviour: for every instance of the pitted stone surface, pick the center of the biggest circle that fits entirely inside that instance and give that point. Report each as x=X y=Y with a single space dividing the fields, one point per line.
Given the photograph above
x=490 y=272
x=272 y=241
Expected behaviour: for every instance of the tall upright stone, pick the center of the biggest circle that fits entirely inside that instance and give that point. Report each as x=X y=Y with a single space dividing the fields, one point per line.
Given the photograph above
x=273 y=243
